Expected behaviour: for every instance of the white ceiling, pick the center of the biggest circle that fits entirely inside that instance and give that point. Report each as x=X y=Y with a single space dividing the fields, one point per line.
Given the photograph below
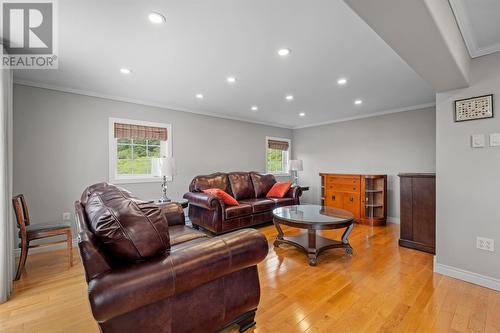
x=203 y=42
x=479 y=22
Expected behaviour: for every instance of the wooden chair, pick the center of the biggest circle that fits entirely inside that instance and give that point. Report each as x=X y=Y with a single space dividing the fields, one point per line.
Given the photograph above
x=29 y=232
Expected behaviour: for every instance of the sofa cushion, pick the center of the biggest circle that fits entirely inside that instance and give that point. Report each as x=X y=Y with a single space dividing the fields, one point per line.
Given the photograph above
x=130 y=229
x=259 y=205
x=262 y=183
x=180 y=234
x=241 y=185
x=283 y=201
x=228 y=199
x=215 y=180
x=238 y=211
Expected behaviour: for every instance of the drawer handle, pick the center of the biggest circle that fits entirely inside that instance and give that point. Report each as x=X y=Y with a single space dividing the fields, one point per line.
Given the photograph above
x=333 y=197
x=351 y=199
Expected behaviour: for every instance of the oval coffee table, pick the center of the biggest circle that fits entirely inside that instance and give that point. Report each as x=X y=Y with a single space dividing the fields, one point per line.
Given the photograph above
x=312 y=218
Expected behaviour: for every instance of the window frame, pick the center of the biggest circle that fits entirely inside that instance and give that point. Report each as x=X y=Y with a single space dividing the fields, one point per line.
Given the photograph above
x=286 y=172
x=165 y=150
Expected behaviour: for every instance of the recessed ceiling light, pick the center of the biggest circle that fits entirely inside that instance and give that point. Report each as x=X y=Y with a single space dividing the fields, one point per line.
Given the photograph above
x=254 y=108
x=125 y=70
x=289 y=97
x=284 y=52
x=302 y=114
x=358 y=102
x=156 y=18
x=341 y=81
x=231 y=79
x=199 y=96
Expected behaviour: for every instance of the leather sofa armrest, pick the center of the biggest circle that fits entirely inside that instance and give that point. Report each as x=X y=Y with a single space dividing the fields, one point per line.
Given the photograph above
x=174 y=213
x=294 y=192
x=115 y=293
x=203 y=200
x=95 y=262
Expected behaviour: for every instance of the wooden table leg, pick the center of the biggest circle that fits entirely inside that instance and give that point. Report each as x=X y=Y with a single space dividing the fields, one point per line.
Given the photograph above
x=345 y=241
x=69 y=242
x=280 y=232
x=311 y=250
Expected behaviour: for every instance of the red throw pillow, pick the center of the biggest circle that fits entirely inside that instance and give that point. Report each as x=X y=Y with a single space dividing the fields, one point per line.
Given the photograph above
x=228 y=200
x=279 y=190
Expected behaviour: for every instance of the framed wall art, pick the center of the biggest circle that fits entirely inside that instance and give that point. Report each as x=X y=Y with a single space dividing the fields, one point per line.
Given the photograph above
x=474 y=108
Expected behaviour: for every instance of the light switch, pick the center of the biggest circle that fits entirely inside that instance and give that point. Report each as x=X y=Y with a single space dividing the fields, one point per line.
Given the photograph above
x=494 y=139
x=478 y=141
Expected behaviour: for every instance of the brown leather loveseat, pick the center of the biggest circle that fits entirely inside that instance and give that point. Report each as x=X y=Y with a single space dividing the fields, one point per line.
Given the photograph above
x=147 y=272
x=248 y=188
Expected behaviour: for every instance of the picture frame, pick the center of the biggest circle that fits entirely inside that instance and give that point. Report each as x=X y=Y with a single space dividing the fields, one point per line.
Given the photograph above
x=474 y=108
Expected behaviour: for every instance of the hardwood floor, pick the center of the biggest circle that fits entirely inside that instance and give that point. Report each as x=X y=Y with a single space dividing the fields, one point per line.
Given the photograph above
x=381 y=288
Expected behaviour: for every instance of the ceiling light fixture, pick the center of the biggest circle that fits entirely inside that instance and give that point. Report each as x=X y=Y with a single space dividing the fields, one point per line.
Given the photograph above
x=231 y=79
x=254 y=108
x=302 y=114
x=156 y=18
x=199 y=96
x=289 y=97
x=358 y=102
x=125 y=71
x=341 y=81
x=284 y=52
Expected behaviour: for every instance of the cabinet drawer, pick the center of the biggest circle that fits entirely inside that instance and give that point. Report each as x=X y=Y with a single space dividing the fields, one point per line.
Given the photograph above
x=343 y=181
x=343 y=187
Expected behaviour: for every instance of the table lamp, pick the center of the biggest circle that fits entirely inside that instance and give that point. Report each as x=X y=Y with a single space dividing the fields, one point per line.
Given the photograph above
x=294 y=166
x=163 y=167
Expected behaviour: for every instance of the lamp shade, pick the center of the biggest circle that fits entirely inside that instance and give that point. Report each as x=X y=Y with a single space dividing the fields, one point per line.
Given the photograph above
x=164 y=166
x=295 y=165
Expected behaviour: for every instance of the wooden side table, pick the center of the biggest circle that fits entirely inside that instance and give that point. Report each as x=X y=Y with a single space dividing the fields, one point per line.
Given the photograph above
x=183 y=202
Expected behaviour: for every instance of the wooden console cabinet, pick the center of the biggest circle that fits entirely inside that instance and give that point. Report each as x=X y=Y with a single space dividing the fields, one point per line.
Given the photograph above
x=363 y=195
x=418 y=211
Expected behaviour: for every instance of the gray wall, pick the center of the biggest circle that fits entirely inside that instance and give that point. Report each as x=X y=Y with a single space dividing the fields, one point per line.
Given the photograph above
x=61 y=146
x=468 y=180
x=388 y=144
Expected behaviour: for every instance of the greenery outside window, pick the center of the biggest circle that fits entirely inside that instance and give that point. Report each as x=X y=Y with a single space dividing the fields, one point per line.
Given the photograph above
x=277 y=155
x=132 y=146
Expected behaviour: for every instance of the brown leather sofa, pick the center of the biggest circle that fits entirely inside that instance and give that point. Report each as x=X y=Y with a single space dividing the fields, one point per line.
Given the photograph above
x=147 y=272
x=249 y=188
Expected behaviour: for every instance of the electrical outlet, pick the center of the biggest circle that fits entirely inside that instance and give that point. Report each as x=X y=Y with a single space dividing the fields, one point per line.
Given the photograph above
x=486 y=244
x=66 y=216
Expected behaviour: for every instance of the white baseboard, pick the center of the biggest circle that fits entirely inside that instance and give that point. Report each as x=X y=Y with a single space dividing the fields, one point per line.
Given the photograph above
x=392 y=219
x=48 y=248
x=461 y=274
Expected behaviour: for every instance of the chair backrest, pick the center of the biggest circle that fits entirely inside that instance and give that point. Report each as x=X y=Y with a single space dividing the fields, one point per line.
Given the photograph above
x=21 y=211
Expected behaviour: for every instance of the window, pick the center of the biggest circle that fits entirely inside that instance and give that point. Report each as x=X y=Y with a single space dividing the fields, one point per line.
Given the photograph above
x=277 y=155
x=132 y=145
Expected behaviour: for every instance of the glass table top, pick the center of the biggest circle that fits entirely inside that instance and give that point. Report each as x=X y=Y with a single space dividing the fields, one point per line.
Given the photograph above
x=312 y=214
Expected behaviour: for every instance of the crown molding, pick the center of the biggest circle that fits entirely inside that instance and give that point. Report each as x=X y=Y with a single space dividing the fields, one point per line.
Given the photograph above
x=375 y=114
x=140 y=102
x=203 y=113
x=465 y=28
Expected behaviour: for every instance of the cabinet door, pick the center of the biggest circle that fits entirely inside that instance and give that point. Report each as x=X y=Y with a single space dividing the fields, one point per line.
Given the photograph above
x=406 y=211
x=424 y=211
x=336 y=199
x=351 y=203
